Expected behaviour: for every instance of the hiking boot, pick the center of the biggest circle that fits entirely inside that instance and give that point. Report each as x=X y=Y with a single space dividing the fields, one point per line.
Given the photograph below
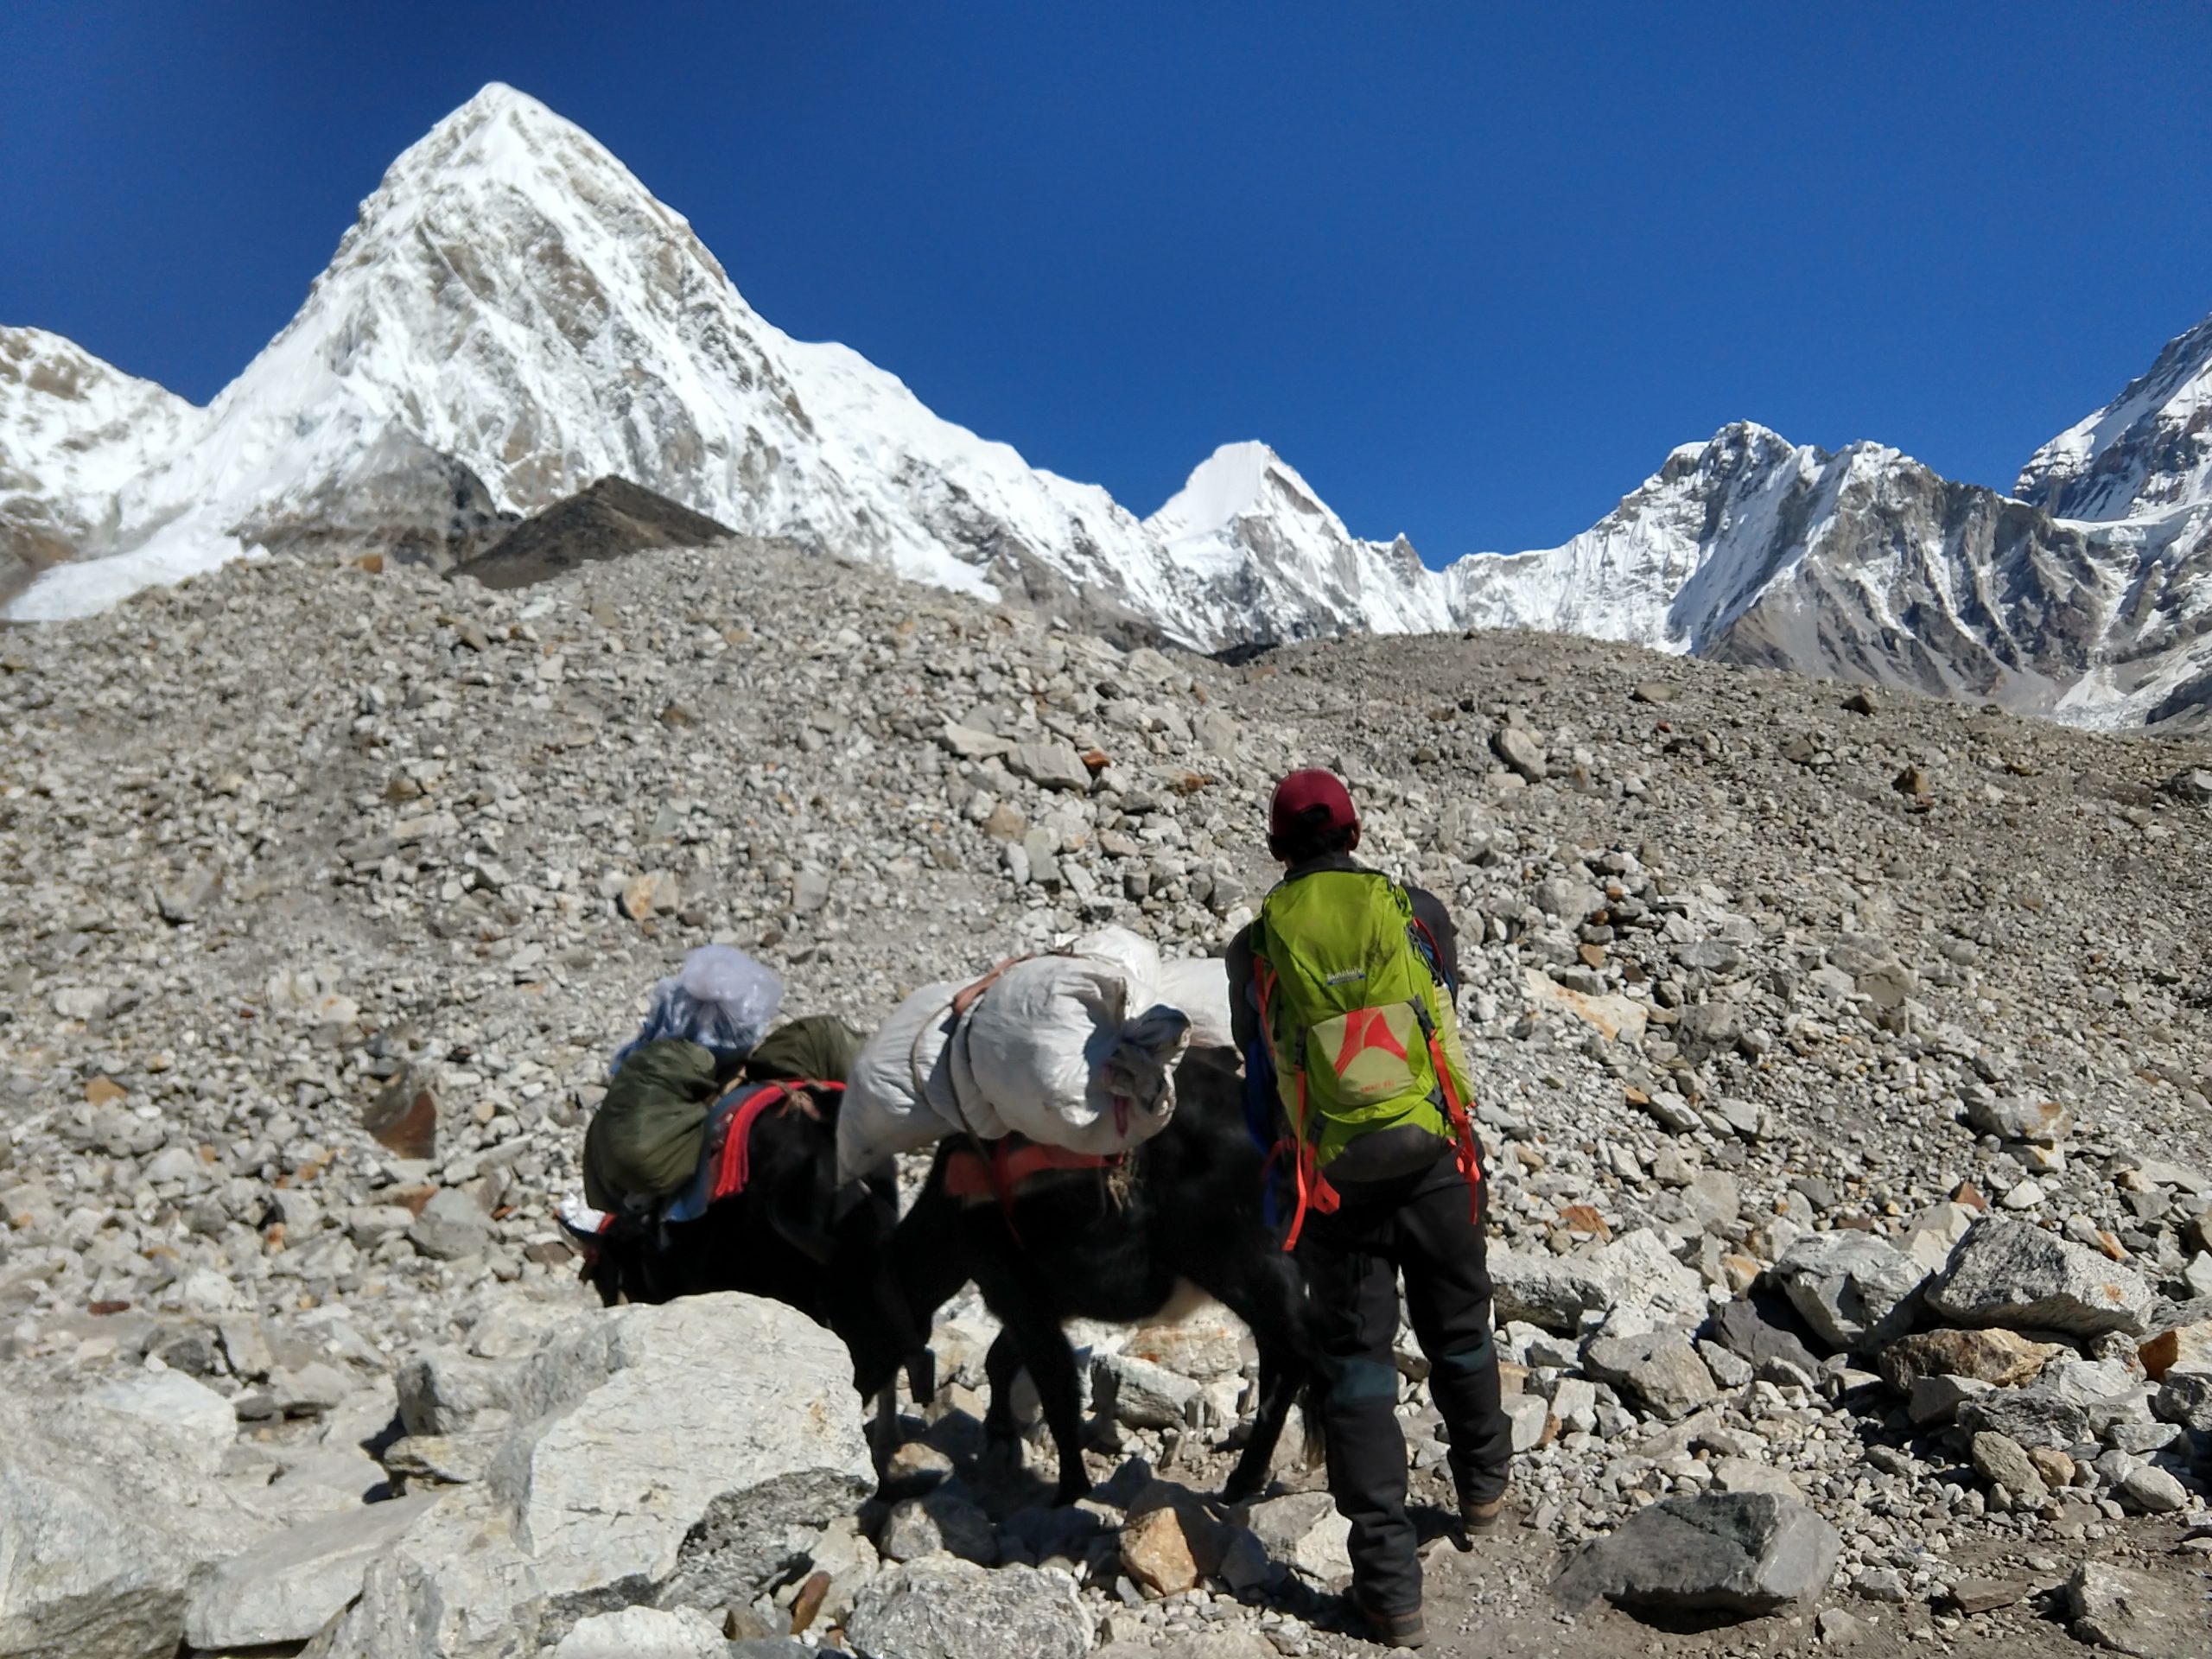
x=1405 y=1630
x=1480 y=1515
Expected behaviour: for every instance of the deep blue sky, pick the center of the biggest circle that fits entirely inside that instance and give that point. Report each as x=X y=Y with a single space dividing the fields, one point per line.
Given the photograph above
x=1473 y=270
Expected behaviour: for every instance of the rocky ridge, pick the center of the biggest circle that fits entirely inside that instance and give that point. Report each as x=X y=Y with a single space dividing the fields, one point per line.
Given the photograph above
x=1843 y=1070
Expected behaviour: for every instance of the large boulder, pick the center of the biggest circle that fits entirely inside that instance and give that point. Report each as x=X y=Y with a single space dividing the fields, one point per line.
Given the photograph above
x=682 y=1456
x=455 y=1586
x=289 y=1585
x=2012 y=1272
x=943 y=1608
x=1855 y=1291
x=2133 y=1612
x=1546 y=1291
x=1642 y=1273
x=107 y=1506
x=2002 y=1358
x=1658 y=1370
x=1721 y=1552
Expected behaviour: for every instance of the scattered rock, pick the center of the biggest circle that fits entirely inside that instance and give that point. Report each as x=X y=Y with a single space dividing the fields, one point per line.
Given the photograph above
x=1304 y=1531
x=1750 y=1553
x=292 y=1584
x=2012 y=1272
x=944 y=1521
x=1660 y=1370
x=451 y=1228
x=2004 y=1462
x=1854 y=1290
x=1051 y=765
x=2132 y=1612
x=1520 y=751
x=946 y=1609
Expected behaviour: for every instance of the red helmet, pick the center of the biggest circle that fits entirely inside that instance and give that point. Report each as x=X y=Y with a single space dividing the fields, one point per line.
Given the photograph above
x=1309 y=802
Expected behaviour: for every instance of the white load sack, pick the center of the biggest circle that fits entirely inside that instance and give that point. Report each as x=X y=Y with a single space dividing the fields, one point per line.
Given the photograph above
x=1199 y=987
x=1078 y=1050
x=900 y=1096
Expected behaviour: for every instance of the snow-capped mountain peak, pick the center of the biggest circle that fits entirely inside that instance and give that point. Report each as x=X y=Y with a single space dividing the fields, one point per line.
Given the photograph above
x=1237 y=480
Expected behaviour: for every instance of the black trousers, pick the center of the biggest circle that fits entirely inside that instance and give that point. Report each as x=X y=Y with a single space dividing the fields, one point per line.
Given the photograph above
x=1419 y=1225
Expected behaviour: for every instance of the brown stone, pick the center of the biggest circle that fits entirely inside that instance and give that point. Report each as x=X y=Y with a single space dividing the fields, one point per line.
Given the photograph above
x=2188 y=1344
x=104 y=1091
x=643 y=894
x=811 y=1594
x=1971 y=1195
x=404 y=1119
x=1985 y=1595
x=1156 y=1554
x=1581 y=1218
x=2002 y=1358
x=1209 y=1344
x=1005 y=823
x=1593 y=956
x=409 y=1198
x=2053 y=1465
x=2110 y=1246
x=1095 y=761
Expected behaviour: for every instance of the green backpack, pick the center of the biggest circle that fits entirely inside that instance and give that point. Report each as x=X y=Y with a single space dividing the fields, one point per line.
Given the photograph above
x=643 y=1143
x=1357 y=1021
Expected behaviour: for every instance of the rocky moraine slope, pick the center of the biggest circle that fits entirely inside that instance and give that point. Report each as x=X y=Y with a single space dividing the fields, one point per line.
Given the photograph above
x=1843 y=1062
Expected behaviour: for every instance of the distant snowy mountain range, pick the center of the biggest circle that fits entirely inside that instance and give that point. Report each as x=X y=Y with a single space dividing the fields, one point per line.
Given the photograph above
x=513 y=315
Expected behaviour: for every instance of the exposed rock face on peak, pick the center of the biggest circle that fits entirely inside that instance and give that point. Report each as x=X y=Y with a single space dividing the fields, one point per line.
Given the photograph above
x=1866 y=565
x=2148 y=451
x=73 y=431
x=605 y=521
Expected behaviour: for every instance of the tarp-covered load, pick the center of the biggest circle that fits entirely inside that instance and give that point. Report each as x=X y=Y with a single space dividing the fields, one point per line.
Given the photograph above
x=1075 y=1049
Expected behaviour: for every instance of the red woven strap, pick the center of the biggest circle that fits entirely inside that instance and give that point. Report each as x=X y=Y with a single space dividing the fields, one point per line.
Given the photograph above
x=733 y=1167
x=967 y=1175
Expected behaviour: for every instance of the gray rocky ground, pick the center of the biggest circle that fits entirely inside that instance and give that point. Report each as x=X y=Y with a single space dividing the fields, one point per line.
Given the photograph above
x=1843 y=1067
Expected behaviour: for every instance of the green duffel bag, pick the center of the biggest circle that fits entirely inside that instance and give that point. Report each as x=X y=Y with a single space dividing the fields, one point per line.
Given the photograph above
x=820 y=1047
x=644 y=1141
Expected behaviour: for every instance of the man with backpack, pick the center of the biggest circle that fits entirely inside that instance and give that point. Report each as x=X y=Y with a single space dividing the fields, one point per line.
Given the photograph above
x=1343 y=992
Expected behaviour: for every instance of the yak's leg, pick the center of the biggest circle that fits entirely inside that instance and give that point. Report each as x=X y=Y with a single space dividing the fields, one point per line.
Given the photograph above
x=1001 y=1367
x=1032 y=1332
x=1271 y=1300
x=883 y=1436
